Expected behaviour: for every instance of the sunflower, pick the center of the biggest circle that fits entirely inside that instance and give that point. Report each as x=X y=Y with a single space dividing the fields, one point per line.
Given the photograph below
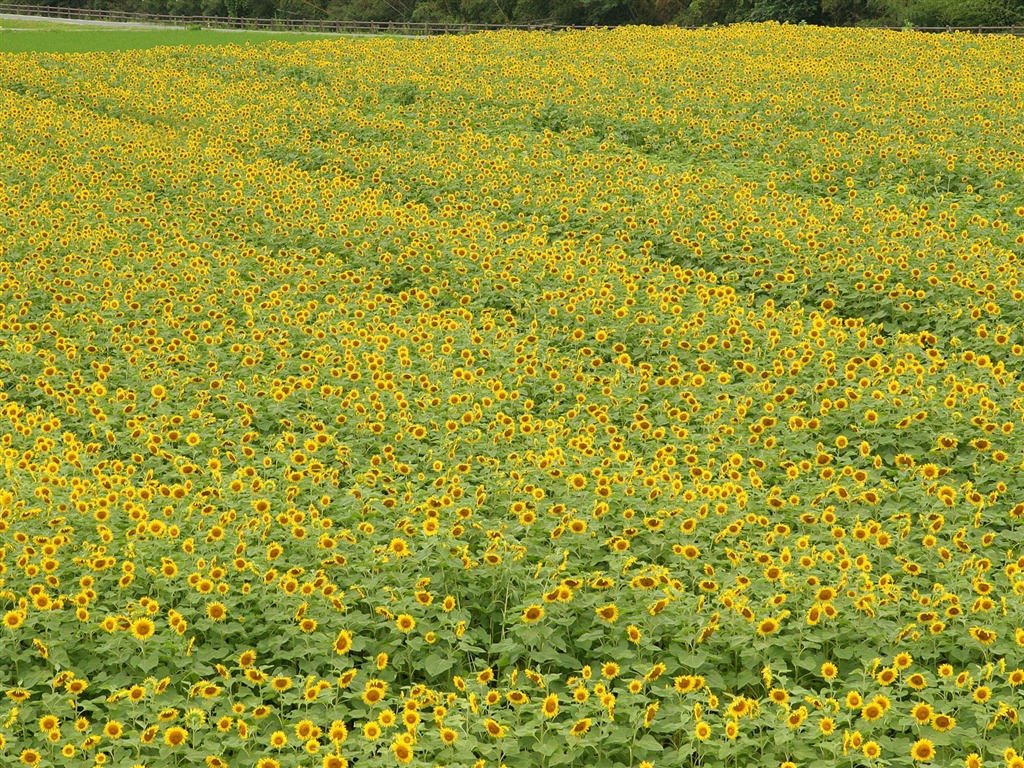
x=343 y=643
x=533 y=613
x=372 y=695
x=400 y=548
x=943 y=723
x=175 y=736
x=550 y=705
x=143 y=629
x=655 y=672
x=216 y=611
x=494 y=728
x=338 y=732
x=922 y=713
x=405 y=623
x=887 y=675
x=683 y=683
x=917 y=681
x=767 y=627
x=983 y=636
x=113 y=730
x=281 y=684
x=402 y=751
x=796 y=718
x=609 y=613
x=209 y=691
x=872 y=711
x=702 y=731
x=923 y=750
x=411 y=718
x=739 y=707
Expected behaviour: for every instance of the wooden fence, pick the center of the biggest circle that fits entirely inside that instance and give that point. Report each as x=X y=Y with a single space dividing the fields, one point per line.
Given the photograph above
x=416 y=28
x=412 y=28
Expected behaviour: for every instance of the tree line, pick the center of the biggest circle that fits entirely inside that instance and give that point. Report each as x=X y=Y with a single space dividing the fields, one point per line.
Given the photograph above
x=598 y=12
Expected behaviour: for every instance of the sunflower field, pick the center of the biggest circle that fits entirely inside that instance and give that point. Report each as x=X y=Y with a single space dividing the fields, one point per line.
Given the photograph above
x=618 y=398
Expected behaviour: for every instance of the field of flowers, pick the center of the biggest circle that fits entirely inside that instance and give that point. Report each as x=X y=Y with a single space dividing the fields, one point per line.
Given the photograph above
x=615 y=398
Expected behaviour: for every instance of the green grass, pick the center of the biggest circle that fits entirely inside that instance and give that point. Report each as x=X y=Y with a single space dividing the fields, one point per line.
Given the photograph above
x=67 y=39
x=37 y=24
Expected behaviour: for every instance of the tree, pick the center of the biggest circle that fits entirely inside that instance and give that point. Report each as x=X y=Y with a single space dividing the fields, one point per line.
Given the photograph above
x=844 y=11
x=961 y=13
x=791 y=11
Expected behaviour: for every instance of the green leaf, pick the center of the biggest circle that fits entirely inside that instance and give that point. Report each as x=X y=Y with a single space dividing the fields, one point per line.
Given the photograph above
x=436 y=664
x=649 y=743
x=548 y=747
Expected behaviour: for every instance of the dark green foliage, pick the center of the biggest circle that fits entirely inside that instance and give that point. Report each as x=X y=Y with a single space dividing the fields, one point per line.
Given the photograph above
x=791 y=11
x=964 y=13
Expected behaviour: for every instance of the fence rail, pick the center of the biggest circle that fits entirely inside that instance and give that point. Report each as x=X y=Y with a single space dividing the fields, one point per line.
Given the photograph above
x=416 y=28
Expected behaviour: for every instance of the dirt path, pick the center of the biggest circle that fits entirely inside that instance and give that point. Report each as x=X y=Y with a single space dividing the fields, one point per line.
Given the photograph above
x=85 y=22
